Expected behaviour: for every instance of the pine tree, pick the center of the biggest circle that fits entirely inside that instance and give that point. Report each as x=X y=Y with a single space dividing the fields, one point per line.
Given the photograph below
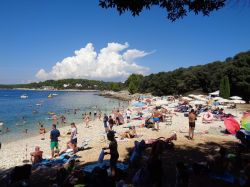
x=225 y=87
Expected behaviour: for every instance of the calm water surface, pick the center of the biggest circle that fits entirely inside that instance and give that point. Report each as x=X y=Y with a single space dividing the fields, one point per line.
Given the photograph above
x=19 y=114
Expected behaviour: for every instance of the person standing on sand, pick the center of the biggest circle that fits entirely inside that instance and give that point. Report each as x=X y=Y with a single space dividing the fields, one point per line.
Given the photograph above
x=128 y=114
x=111 y=122
x=113 y=152
x=105 y=122
x=156 y=117
x=73 y=136
x=42 y=131
x=87 y=119
x=54 y=134
x=191 y=118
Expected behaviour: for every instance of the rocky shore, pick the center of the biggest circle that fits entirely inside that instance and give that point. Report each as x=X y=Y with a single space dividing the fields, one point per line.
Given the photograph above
x=121 y=95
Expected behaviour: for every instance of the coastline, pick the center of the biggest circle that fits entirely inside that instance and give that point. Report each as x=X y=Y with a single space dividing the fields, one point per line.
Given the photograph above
x=64 y=90
x=13 y=153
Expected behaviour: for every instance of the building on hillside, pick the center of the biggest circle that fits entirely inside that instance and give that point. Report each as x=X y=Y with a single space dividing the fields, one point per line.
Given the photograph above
x=48 y=88
x=65 y=85
x=78 y=85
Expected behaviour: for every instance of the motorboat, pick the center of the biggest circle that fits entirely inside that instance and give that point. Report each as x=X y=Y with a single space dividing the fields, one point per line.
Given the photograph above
x=50 y=96
x=24 y=96
x=54 y=94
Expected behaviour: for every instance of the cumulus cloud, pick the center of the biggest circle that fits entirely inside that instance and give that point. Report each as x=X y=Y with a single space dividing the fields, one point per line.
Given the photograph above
x=114 y=62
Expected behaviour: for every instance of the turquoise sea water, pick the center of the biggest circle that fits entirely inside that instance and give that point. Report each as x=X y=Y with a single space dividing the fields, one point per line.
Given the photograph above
x=19 y=114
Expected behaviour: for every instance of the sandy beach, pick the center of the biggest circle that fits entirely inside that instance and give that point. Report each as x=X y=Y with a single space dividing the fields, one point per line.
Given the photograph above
x=13 y=153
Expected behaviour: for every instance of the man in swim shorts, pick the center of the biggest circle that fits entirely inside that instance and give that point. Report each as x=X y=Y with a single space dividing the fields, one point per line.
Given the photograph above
x=54 y=134
x=191 y=118
x=156 y=118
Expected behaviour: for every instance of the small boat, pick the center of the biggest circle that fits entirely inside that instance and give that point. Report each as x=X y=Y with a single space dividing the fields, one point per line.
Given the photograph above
x=50 y=96
x=24 y=96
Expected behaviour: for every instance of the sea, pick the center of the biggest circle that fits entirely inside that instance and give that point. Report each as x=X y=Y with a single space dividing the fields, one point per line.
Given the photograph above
x=21 y=115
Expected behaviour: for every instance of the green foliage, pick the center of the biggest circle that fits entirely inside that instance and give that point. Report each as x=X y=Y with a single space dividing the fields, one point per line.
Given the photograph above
x=175 y=9
x=132 y=88
x=133 y=82
x=206 y=77
x=114 y=86
x=58 y=84
x=225 y=87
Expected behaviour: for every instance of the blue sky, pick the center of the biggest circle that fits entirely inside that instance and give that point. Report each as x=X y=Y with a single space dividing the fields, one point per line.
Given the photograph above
x=36 y=34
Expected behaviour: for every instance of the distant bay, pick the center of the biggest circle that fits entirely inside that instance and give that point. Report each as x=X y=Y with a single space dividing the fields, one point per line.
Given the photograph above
x=19 y=114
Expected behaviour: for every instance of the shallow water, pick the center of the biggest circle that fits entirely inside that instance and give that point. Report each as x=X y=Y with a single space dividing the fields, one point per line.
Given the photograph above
x=19 y=114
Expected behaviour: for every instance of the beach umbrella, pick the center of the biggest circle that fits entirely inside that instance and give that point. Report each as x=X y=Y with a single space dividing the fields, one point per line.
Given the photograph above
x=245 y=121
x=216 y=93
x=231 y=125
x=235 y=98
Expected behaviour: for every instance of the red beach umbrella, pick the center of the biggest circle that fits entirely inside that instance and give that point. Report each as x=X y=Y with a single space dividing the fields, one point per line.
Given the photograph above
x=231 y=125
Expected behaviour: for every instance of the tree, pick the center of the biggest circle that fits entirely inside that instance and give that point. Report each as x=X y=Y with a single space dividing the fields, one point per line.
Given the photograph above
x=132 y=88
x=175 y=9
x=225 y=87
x=133 y=82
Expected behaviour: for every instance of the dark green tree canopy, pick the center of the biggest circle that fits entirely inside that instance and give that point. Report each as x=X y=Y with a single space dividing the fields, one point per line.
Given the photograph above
x=175 y=8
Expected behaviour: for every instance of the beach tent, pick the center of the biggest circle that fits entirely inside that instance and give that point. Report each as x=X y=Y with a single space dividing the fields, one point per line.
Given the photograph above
x=245 y=121
x=216 y=93
x=231 y=125
x=235 y=98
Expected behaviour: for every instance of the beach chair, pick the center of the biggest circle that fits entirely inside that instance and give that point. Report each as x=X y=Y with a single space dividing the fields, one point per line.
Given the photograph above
x=168 y=119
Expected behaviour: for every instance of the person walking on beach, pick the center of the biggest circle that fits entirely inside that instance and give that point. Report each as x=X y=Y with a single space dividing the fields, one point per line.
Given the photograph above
x=191 y=118
x=113 y=152
x=42 y=131
x=156 y=118
x=54 y=134
x=128 y=114
x=87 y=119
x=111 y=122
x=105 y=122
x=73 y=136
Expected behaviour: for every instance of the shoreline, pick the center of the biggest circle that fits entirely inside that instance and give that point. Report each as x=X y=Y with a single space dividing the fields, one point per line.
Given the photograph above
x=13 y=153
x=64 y=90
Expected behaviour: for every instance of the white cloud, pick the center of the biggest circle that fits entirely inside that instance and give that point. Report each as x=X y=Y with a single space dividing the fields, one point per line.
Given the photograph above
x=111 y=63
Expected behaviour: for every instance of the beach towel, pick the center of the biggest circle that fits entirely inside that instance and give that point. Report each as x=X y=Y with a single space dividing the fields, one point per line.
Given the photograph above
x=89 y=168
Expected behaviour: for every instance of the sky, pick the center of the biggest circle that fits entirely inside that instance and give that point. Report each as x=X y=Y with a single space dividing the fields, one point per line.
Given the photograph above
x=55 y=39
